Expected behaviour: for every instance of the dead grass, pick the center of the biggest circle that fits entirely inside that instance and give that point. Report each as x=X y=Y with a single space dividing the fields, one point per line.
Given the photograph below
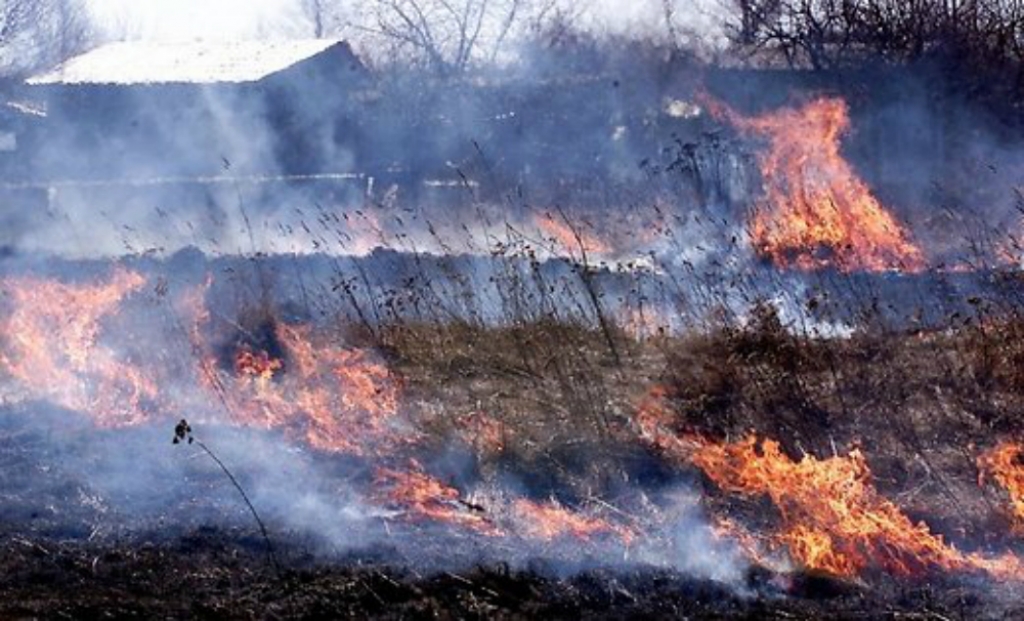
x=920 y=404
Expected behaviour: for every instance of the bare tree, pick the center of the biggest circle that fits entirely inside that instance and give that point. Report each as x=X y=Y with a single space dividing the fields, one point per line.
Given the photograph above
x=824 y=34
x=445 y=35
x=316 y=11
x=37 y=33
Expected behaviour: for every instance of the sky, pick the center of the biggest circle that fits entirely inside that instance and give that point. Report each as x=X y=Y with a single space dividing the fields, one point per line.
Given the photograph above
x=198 y=19
x=246 y=19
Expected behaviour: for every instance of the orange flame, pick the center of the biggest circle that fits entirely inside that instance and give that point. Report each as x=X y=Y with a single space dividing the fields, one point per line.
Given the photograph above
x=421 y=496
x=1005 y=464
x=833 y=518
x=816 y=211
x=752 y=545
x=549 y=521
x=258 y=365
x=568 y=238
x=53 y=346
x=336 y=399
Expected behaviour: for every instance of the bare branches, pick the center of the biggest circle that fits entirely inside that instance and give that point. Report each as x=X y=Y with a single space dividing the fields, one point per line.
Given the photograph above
x=447 y=36
x=36 y=33
x=315 y=11
x=823 y=34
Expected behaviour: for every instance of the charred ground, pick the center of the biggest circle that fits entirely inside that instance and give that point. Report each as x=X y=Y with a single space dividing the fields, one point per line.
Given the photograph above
x=921 y=404
x=567 y=348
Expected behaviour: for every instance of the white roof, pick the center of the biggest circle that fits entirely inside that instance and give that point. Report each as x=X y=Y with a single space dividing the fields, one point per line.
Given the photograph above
x=197 y=62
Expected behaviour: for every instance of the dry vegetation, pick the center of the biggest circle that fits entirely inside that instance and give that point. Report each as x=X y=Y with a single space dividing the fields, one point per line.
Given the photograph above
x=548 y=402
x=922 y=404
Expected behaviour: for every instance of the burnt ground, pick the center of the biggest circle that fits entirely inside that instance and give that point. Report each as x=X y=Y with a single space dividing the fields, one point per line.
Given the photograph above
x=211 y=573
x=188 y=549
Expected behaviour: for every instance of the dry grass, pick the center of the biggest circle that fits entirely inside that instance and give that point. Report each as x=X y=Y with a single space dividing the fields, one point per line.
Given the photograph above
x=920 y=404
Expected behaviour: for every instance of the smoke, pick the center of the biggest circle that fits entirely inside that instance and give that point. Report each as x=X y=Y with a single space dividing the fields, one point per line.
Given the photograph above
x=287 y=194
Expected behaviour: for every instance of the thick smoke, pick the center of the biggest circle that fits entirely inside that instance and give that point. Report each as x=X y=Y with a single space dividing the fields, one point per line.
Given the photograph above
x=287 y=192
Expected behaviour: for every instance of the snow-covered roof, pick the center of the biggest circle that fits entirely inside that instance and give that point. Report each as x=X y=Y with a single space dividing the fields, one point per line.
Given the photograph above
x=196 y=62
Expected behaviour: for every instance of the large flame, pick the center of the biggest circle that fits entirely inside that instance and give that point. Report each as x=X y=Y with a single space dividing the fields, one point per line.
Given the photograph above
x=53 y=347
x=832 y=517
x=59 y=345
x=816 y=211
x=335 y=398
x=60 y=342
x=332 y=397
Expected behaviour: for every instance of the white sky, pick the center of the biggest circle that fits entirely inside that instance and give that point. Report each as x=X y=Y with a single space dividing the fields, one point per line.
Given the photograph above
x=199 y=19
x=247 y=19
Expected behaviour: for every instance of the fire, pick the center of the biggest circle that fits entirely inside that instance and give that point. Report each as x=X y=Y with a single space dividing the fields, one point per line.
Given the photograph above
x=335 y=398
x=421 y=496
x=54 y=349
x=258 y=365
x=816 y=211
x=1005 y=464
x=750 y=544
x=549 y=521
x=568 y=238
x=57 y=347
x=833 y=519
x=654 y=424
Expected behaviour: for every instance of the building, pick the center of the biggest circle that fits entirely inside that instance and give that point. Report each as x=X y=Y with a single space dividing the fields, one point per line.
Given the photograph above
x=138 y=110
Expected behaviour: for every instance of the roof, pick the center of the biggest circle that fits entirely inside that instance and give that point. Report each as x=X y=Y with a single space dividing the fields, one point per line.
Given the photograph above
x=196 y=62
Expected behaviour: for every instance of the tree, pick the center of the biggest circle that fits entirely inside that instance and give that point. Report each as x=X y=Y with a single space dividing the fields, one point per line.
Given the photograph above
x=39 y=33
x=824 y=34
x=444 y=35
x=320 y=16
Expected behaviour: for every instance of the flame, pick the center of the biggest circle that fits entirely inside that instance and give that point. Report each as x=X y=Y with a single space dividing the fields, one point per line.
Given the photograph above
x=752 y=545
x=421 y=496
x=550 y=520
x=816 y=211
x=53 y=346
x=258 y=365
x=1005 y=464
x=654 y=425
x=191 y=303
x=568 y=238
x=335 y=398
x=833 y=518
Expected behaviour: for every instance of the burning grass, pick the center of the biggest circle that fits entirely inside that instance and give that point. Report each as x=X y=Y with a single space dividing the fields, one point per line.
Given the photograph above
x=854 y=458
x=565 y=418
x=816 y=212
x=612 y=383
